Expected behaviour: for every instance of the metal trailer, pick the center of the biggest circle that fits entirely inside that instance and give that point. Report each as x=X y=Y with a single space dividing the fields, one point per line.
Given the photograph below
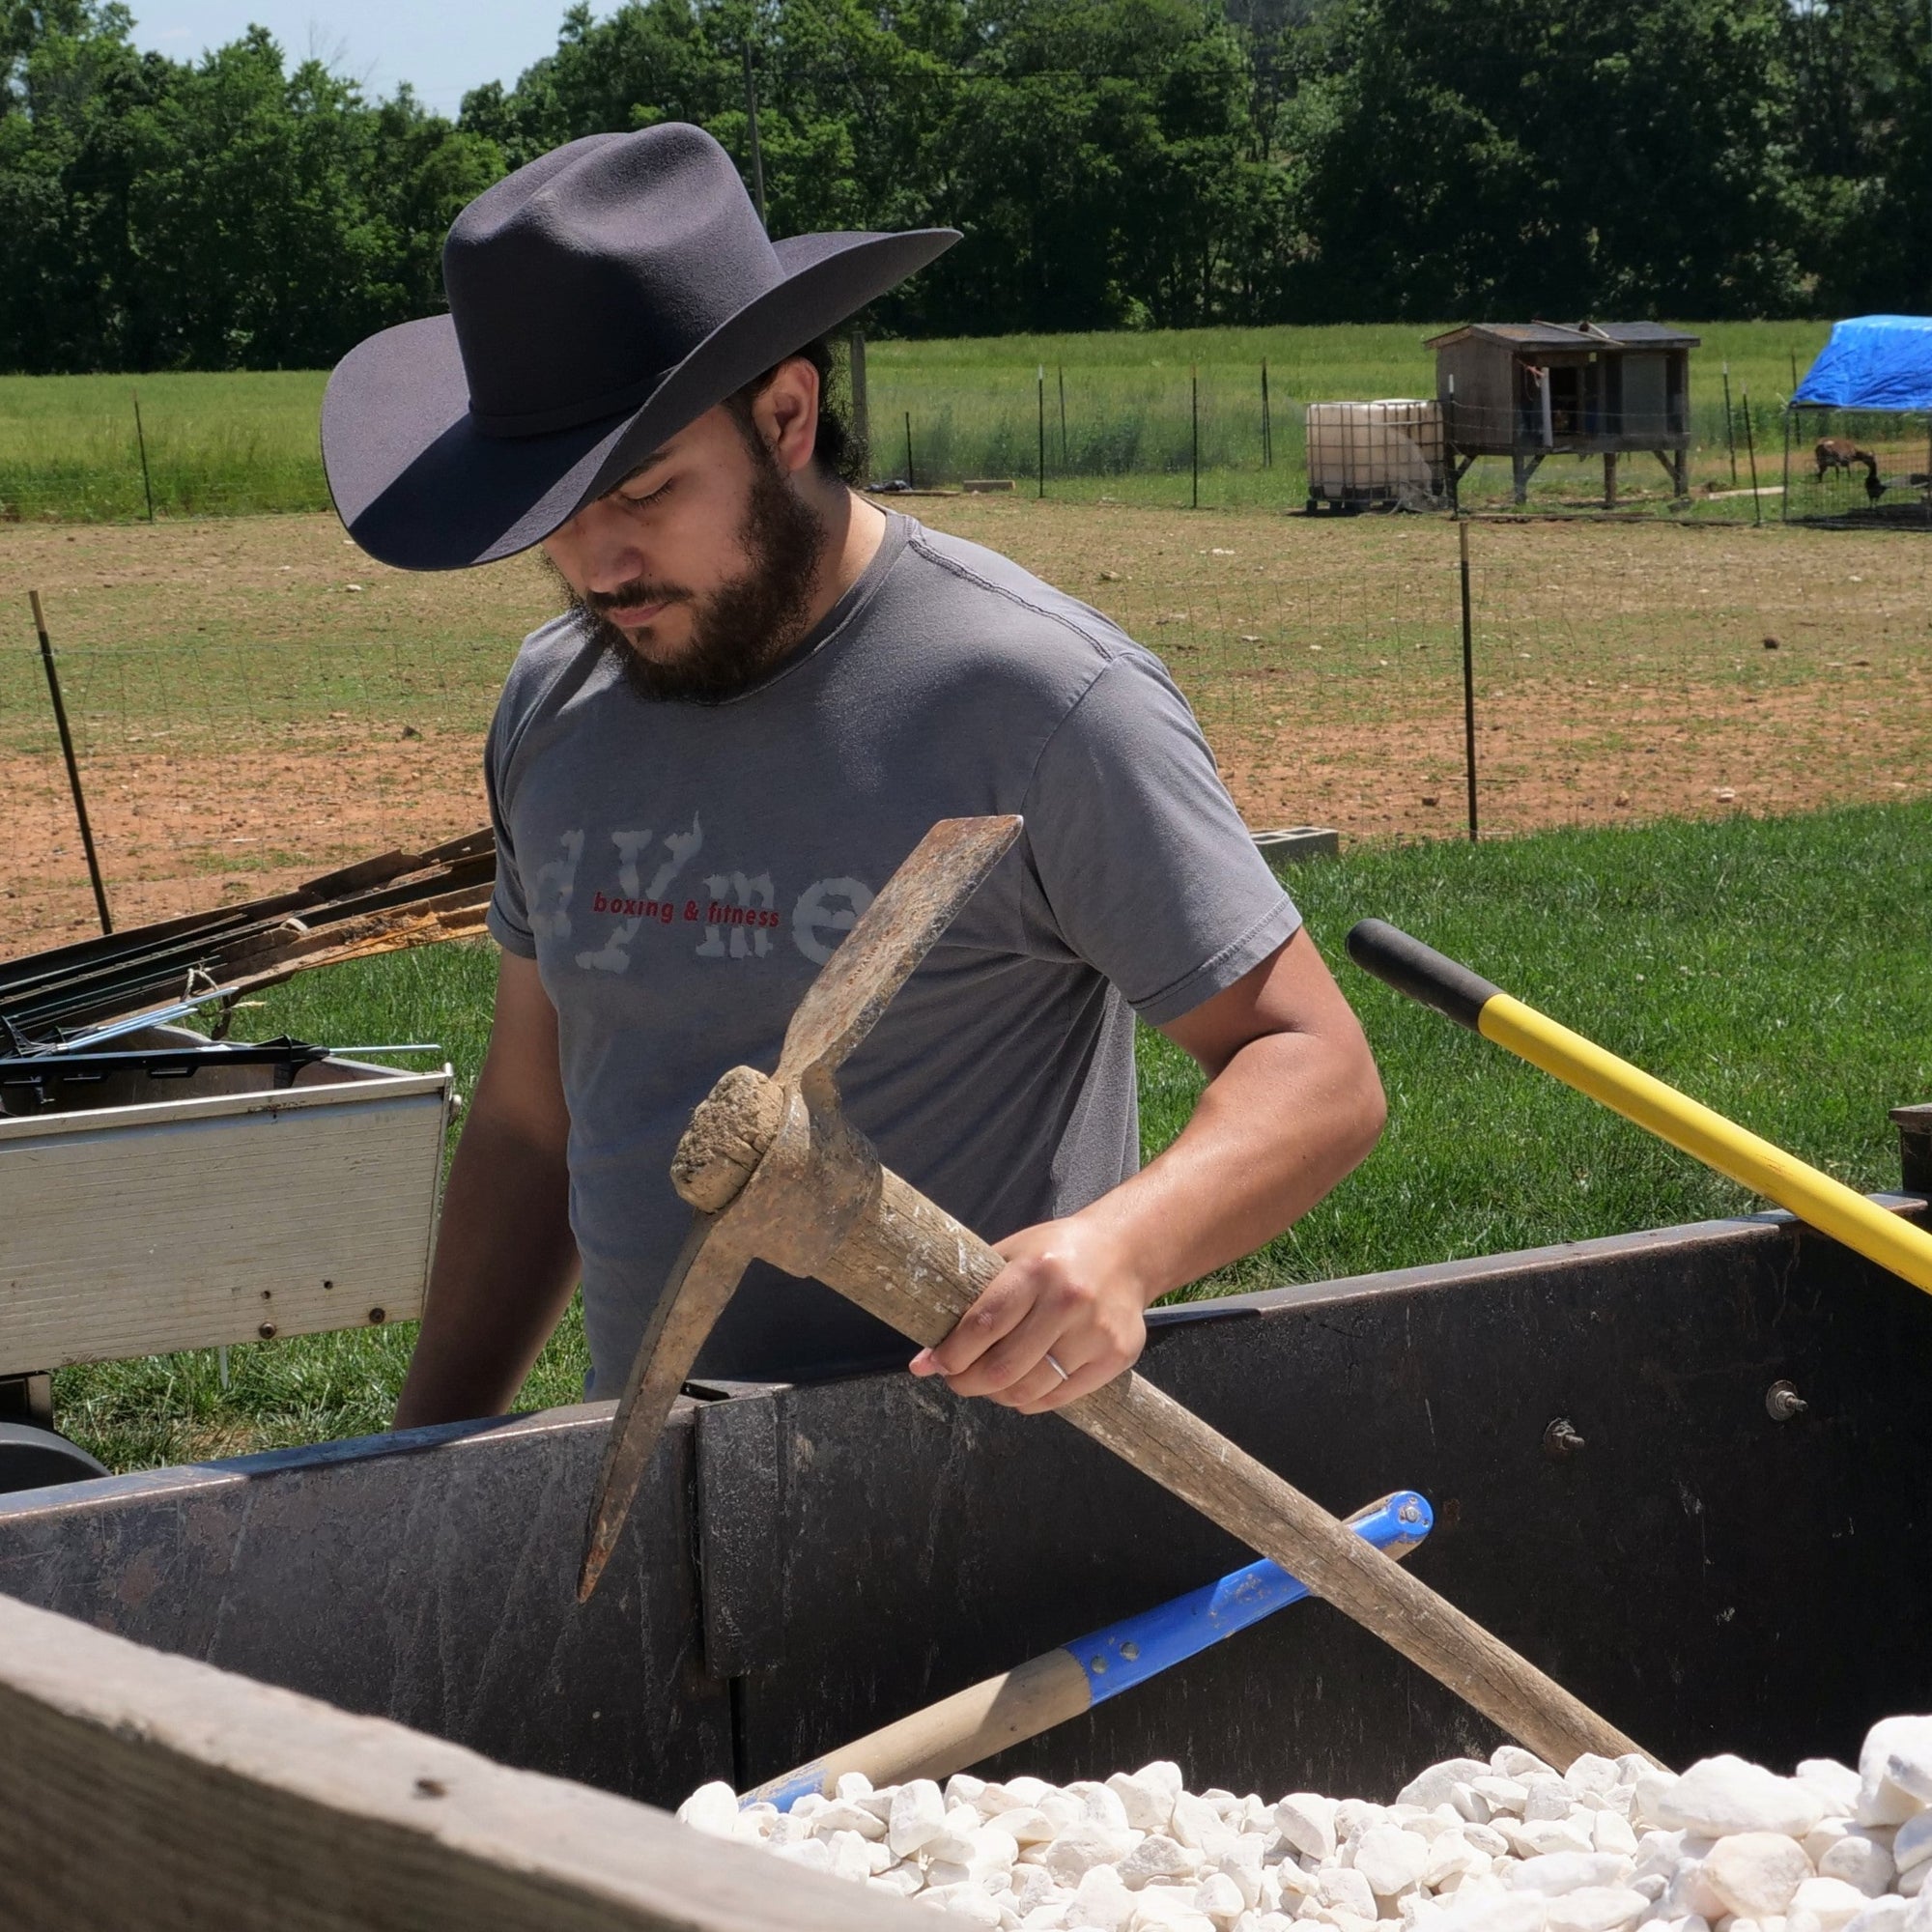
x=163 y=1191
x=1681 y=1469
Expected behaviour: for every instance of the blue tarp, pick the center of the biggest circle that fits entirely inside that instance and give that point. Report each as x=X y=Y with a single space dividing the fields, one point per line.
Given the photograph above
x=1873 y=363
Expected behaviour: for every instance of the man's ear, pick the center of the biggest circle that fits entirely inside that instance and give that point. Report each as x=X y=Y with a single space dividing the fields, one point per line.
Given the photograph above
x=787 y=415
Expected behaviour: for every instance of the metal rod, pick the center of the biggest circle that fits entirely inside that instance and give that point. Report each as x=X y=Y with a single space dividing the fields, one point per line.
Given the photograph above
x=154 y=1016
x=1040 y=381
x=752 y=116
x=1194 y=382
x=1785 y=499
x=1469 y=671
x=908 y=417
x=141 y=438
x=861 y=415
x=1063 y=419
x=1730 y=435
x=1267 y=427
x=72 y=767
x=1750 y=450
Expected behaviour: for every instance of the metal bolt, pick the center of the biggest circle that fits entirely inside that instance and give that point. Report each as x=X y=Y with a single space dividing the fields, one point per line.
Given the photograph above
x=266 y=1331
x=1409 y=1512
x=1131 y=1650
x=1560 y=1439
x=1783 y=1403
x=378 y=1315
x=1099 y=1666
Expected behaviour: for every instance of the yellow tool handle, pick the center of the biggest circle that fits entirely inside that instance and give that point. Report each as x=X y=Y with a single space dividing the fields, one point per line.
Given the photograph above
x=1827 y=1204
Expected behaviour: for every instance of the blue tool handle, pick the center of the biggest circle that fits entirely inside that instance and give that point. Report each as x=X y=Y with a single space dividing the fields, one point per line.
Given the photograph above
x=1139 y=1647
x=1109 y=1662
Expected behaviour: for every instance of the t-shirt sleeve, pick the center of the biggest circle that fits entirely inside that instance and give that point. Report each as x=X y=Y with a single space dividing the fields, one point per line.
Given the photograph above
x=508 y=918
x=1146 y=869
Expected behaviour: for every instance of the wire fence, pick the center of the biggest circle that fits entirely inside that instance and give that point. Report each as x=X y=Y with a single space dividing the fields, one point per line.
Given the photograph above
x=1622 y=672
x=219 y=769
x=1215 y=434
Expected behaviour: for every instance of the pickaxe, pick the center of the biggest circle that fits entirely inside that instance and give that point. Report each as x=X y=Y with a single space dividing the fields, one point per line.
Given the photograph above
x=776 y=1174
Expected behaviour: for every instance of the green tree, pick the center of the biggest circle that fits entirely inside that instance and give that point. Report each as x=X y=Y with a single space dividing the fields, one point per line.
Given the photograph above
x=1464 y=156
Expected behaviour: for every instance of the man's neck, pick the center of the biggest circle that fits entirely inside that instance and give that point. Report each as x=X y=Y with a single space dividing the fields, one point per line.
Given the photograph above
x=854 y=530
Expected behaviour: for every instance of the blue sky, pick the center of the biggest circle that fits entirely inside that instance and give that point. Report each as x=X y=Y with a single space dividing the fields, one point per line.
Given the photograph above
x=443 y=48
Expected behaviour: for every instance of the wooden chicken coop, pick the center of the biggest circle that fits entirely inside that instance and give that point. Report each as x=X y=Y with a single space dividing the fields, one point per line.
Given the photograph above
x=1532 y=389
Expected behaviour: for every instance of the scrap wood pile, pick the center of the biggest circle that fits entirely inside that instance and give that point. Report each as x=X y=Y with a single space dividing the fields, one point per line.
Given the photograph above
x=1610 y=1845
x=379 y=905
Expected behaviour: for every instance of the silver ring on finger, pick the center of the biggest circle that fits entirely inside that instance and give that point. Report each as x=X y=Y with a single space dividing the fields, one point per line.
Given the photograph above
x=1057 y=1368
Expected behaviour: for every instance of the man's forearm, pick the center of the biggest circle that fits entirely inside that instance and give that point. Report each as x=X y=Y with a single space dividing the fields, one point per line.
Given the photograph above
x=1289 y=1117
x=504 y=1268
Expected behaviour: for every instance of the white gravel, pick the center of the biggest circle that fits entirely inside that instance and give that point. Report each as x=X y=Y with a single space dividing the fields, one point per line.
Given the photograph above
x=1503 y=1846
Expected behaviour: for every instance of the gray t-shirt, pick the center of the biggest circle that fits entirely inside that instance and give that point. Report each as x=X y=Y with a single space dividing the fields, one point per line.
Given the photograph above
x=680 y=872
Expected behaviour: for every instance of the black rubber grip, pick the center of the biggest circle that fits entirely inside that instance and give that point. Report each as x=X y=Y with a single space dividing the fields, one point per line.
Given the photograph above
x=1419 y=971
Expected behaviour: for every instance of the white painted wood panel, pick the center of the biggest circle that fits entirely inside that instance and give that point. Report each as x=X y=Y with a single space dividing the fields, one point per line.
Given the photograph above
x=135 y=1230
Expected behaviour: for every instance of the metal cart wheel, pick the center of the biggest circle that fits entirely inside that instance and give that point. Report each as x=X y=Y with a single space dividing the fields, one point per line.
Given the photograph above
x=30 y=1458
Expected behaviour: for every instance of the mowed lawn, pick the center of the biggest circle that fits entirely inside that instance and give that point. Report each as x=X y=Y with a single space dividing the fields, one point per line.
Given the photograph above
x=1776 y=969
x=1122 y=416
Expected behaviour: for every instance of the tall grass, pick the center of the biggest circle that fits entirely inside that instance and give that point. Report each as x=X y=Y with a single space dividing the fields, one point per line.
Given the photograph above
x=221 y=444
x=216 y=445
x=1776 y=969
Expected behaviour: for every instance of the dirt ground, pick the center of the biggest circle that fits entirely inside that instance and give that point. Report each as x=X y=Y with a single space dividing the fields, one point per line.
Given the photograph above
x=255 y=700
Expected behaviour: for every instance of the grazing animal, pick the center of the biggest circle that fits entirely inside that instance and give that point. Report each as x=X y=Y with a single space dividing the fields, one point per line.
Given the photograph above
x=1837 y=452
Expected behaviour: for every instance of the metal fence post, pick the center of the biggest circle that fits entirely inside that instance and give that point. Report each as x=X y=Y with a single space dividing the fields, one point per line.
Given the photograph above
x=1469 y=671
x=862 y=414
x=1194 y=384
x=1040 y=384
x=73 y=766
x=1750 y=449
x=141 y=438
x=1730 y=435
x=752 y=119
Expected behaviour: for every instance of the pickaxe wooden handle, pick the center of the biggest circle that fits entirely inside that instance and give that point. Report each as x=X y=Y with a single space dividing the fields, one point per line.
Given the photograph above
x=777 y=1175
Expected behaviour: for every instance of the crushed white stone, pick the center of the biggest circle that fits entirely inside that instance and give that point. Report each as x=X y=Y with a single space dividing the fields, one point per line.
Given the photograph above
x=1507 y=1845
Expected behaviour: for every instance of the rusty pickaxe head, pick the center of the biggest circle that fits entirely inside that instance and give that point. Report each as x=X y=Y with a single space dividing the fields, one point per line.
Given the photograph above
x=769 y=1165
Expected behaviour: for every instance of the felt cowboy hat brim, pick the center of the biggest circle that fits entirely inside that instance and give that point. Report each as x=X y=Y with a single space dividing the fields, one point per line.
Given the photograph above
x=419 y=485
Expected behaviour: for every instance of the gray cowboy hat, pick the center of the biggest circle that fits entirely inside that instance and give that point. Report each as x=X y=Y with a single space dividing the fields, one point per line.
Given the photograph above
x=601 y=298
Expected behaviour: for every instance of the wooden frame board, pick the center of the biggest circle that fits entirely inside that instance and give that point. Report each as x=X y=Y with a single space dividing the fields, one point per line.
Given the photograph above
x=151 y=1791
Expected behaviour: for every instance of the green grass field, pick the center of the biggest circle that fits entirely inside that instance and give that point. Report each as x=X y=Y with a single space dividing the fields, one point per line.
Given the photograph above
x=220 y=445
x=1776 y=969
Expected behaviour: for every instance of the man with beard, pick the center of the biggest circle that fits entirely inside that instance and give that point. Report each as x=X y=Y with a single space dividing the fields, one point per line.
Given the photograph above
x=763 y=693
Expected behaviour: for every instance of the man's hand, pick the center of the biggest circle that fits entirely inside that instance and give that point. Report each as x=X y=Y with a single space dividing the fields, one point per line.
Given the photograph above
x=1067 y=1295
x=1292 y=1104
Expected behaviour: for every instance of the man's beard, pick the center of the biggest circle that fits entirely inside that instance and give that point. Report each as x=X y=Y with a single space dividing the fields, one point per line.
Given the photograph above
x=738 y=632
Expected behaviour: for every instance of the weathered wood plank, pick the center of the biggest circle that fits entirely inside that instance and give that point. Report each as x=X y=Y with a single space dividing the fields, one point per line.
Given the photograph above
x=137 y=1231
x=138 y=1789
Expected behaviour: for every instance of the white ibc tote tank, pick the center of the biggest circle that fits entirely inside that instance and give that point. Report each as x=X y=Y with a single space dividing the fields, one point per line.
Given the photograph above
x=1368 y=453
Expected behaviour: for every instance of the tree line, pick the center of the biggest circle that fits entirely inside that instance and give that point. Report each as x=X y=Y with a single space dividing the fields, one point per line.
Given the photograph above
x=1111 y=163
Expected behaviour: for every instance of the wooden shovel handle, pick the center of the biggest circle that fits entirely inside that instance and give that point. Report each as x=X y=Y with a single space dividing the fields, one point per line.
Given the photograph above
x=919 y=1271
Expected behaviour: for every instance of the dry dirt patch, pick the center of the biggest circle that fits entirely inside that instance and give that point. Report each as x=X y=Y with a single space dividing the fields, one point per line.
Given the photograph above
x=257 y=700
